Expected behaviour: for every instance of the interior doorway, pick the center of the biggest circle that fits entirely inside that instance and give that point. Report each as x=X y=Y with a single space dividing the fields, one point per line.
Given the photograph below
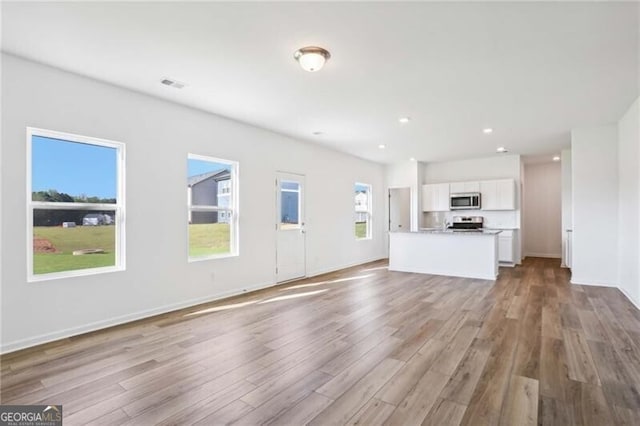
x=399 y=209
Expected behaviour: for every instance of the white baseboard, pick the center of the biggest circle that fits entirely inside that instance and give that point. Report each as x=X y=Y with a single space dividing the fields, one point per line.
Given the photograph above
x=444 y=273
x=623 y=291
x=123 y=319
x=579 y=281
x=343 y=266
x=17 y=345
x=628 y=296
x=547 y=255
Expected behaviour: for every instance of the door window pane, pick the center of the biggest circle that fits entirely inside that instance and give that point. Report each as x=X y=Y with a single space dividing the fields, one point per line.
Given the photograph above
x=289 y=205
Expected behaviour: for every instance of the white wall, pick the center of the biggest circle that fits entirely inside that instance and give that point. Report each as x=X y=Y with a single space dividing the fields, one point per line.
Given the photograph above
x=158 y=135
x=629 y=192
x=567 y=202
x=542 y=212
x=496 y=167
x=594 y=176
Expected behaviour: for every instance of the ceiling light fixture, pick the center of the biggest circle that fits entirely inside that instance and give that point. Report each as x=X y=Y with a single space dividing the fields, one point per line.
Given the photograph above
x=556 y=158
x=501 y=150
x=382 y=146
x=487 y=131
x=312 y=58
x=404 y=120
x=412 y=159
x=317 y=133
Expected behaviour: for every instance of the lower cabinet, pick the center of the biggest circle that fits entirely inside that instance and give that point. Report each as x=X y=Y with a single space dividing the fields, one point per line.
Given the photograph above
x=505 y=247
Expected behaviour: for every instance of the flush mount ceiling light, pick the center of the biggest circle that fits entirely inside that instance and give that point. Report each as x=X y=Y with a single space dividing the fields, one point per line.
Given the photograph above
x=412 y=159
x=501 y=150
x=556 y=158
x=404 y=120
x=382 y=146
x=312 y=58
x=487 y=131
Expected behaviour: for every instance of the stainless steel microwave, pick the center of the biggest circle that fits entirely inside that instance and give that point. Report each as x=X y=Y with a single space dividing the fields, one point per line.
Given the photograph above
x=465 y=201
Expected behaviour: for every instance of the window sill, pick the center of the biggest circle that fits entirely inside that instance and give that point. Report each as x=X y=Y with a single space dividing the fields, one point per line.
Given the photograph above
x=364 y=239
x=218 y=256
x=75 y=273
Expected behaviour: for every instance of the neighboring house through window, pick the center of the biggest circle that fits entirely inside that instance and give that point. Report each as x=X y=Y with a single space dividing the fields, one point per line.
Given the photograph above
x=75 y=192
x=211 y=204
x=362 y=197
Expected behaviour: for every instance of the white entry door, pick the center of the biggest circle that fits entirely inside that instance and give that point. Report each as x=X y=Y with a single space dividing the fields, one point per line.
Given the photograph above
x=291 y=247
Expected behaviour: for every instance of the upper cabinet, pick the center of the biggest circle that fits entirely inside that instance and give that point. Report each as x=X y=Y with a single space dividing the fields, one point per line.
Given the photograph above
x=435 y=197
x=462 y=187
x=498 y=194
x=494 y=194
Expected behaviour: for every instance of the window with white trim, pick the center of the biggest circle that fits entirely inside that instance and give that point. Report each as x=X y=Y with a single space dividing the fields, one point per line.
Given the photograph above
x=362 y=196
x=75 y=207
x=212 y=197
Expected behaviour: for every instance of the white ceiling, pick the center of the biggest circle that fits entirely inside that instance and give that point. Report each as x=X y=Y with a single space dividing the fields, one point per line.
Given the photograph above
x=531 y=71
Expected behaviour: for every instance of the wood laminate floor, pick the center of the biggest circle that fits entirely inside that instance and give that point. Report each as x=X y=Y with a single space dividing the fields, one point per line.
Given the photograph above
x=361 y=346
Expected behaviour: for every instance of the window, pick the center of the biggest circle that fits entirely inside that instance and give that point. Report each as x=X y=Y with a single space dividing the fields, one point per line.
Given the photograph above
x=212 y=197
x=362 y=211
x=75 y=207
x=289 y=205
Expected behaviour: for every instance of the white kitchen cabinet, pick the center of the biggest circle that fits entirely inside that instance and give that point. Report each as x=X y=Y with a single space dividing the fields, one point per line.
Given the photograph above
x=498 y=194
x=463 y=187
x=435 y=197
x=505 y=247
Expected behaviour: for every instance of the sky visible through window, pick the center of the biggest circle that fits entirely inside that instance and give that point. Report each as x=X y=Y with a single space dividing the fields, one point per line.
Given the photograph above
x=197 y=167
x=362 y=188
x=73 y=168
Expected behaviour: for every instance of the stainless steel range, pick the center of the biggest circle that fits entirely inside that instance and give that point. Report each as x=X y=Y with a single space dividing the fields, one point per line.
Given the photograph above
x=467 y=223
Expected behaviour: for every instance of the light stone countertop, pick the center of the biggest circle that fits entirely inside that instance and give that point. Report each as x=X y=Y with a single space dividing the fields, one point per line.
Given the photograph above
x=455 y=232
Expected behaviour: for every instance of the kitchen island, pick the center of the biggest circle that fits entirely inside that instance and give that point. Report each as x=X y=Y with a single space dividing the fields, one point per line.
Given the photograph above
x=468 y=254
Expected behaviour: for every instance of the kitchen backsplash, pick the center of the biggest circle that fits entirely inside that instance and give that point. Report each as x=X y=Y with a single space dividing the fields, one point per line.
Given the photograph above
x=492 y=219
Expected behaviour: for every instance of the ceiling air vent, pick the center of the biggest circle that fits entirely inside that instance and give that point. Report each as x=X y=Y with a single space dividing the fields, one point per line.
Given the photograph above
x=172 y=83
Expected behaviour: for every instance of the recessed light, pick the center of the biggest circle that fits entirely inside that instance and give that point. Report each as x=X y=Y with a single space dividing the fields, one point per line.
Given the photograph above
x=412 y=159
x=317 y=133
x=404 y=120
x=556 y=158
x=382 y=146
x=501 y=150
x=487 y=131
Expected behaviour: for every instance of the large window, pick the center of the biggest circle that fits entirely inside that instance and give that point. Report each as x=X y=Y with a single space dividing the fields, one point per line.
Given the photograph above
x=212 y=196
x=362 y=197
x=75 y=205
